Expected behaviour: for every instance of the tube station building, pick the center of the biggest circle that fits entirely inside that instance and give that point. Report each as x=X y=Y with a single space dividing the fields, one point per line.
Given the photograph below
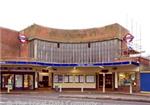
x=89 y=59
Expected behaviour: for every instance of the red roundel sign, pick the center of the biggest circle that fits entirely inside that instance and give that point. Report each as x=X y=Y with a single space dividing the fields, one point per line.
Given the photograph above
x=128 y=38
x=22 y=38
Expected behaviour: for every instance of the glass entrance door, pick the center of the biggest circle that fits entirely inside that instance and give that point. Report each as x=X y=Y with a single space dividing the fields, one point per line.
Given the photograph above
x=108 y=80
x=18 y=81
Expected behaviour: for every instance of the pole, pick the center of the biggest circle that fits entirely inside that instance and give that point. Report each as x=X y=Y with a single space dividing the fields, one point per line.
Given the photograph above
x=103 y=82
x=9 y=85
x=8 y=90
x=60 y=88
x=131 y=88
x=116 y=80
x=82 y=89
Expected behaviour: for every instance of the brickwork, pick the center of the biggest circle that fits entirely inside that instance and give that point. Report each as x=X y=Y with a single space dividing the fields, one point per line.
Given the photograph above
x=83 y=35
x=9 y=44
x=137 y=87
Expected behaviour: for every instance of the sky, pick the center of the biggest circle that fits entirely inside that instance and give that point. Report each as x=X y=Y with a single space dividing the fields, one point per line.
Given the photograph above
x=80 y=14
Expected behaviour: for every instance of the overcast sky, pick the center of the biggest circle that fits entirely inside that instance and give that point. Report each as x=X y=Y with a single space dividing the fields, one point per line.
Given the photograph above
x=79 y=14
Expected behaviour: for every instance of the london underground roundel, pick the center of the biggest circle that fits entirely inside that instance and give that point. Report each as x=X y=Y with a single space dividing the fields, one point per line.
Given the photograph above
x=22 y=38
x=128 y=38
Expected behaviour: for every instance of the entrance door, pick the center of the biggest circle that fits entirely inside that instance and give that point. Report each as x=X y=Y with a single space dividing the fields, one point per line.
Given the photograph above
x=108 y=80
x=100 y=80
x=45 y=81
x=18 y=81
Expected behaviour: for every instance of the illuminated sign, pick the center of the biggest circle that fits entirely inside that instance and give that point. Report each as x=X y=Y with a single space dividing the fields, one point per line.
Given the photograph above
x=22 y=38
x=128 y=38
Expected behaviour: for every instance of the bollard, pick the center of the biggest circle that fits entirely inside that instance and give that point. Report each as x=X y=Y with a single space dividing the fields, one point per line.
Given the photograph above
x=60 y=88
x=131 y=88
x=8 y=89
x=56 y=88
x=9 y=85
x=82 y=89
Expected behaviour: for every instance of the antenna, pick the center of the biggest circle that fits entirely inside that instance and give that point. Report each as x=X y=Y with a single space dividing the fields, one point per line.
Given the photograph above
x=140 y=40
x=132 y=31
x=135 y=30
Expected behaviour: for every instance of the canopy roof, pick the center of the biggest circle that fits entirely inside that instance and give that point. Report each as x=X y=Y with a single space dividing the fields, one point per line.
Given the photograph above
x=69 y=65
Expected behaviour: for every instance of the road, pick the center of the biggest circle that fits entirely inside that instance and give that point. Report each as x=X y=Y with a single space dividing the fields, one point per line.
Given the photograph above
x=54 y=99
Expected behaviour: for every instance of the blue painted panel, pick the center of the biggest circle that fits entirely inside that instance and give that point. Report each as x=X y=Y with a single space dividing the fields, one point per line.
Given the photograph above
x=135 y=63
x=125 y=62
x=117 y=63
x=72 y=65
x=145 y=81
x=10 y=62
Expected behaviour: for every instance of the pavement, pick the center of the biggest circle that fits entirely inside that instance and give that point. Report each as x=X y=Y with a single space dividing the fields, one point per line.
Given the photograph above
x=110 y=96
x=136 y=97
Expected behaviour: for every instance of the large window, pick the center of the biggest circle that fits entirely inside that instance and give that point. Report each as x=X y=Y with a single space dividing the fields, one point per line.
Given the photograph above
x=5 y=79
x=90 y=78
x=76 y=78
x=55 y=78
x=60 y=78
x=81 y=78
x=125 y=78
x=66 y=78
x=73 y=78
x=18 y=81
x=104 y=51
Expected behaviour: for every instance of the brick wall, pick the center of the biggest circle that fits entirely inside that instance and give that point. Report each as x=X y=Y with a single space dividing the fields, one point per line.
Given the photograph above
x=9 y=43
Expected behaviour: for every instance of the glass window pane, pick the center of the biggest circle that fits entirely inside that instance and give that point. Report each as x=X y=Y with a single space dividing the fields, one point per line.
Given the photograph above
x=71 y=78
x=76 y=78
x=126 y=78
x=55 y=78
x=82 y=79
x=90 y=78
x=5 y=78
x=26 y=83
x=66 y=78
x=18 y=81
x=30 y=78
x=60 y=78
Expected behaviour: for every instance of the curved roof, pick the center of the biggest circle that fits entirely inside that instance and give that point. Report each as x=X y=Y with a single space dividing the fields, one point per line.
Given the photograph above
x=75 y=35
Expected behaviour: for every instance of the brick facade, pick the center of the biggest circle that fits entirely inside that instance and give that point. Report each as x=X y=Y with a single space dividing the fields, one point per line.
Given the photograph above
x=10 y=45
